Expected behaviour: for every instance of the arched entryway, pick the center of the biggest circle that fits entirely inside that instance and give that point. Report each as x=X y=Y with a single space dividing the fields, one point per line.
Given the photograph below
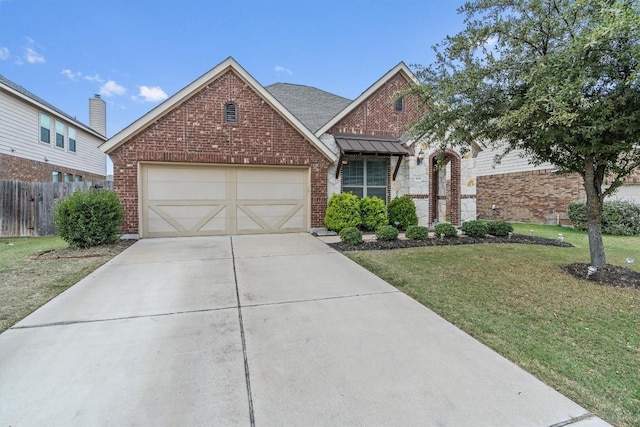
x=444 y=187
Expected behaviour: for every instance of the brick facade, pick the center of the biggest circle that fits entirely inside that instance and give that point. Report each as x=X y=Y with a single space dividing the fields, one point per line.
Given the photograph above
x=26 y=170
x=195 y=132
x=376 y=115
x=533 y=196
x=452 y=195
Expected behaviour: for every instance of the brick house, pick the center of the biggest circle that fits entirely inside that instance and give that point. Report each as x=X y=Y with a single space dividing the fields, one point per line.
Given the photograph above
x=516 y=190
x=40 y=143
x=226 y=155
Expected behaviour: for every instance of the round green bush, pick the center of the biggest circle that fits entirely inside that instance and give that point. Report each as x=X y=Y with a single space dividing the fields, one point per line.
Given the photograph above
x=343 y=210
x=499 y=228
x=445 y=228
x=89 y=219
x=402 y=211
x=373 y=213
x=387 y=232
x=351 y=235
x=416 y=232
x=475 y=228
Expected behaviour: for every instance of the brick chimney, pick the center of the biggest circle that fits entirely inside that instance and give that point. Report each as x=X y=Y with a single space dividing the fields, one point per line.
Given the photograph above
x=98 y=115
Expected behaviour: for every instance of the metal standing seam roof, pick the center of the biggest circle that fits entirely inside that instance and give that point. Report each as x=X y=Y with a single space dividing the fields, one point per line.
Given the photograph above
x=5 y=81
x=312 y=106
x=352 y=144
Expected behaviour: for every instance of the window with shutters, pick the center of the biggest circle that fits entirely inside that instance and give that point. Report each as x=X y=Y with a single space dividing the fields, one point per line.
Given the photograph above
x=230 y=113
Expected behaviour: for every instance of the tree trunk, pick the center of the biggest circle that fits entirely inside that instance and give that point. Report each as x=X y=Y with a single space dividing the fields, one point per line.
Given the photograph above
x=593 y=188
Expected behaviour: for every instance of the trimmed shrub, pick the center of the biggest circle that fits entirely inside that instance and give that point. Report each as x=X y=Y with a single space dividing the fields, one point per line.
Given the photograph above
x=619 y=218
x=387 y=232
x=89 y=219
x=577 y=212
x=500 y=228
x=373 y=213
x=403 y=211
x=475 y=228
x=351 y=235
x=445 y=228
x=416 y=232
x=343 y=210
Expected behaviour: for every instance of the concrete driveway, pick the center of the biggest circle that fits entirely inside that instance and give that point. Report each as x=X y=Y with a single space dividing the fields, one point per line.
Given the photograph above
x=266 y=330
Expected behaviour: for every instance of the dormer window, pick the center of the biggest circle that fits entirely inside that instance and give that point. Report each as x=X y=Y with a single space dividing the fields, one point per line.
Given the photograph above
x=399 y=104
x=230 y=113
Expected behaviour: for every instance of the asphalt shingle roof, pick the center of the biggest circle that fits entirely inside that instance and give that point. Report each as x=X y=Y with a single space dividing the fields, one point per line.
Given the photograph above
x=313 y=107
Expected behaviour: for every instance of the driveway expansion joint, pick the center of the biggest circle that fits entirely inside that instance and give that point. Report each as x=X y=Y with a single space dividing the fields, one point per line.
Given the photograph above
x=574 y=420
x=111 y=319
x=242 y=337
x=319 y=299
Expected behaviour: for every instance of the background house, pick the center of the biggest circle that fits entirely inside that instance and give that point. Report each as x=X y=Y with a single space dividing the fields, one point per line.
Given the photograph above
x=40 y=143
x=516 y=190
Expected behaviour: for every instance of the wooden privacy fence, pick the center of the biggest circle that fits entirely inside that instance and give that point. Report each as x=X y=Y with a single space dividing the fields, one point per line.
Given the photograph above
x=26 y=208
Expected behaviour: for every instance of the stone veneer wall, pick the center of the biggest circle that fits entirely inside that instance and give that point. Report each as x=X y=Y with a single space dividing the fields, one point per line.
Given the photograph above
x=535 y=196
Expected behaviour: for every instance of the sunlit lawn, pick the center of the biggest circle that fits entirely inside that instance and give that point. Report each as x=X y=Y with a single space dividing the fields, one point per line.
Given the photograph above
x=581 y=338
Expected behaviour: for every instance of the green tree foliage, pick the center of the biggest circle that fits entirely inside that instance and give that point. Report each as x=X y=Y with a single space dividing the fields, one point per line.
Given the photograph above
x=89 y=219
x=343 y=210
x=558 y=79
x=373 y=213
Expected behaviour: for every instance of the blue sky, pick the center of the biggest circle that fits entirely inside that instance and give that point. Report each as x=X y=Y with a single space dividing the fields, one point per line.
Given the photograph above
x=136 y=53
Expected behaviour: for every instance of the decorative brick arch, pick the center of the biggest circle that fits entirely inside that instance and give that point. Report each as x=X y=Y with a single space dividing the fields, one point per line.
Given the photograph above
x=453 y=196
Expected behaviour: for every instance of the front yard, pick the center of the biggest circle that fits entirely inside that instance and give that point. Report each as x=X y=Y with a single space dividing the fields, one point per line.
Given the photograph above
x=31 y=275
x=581 y=338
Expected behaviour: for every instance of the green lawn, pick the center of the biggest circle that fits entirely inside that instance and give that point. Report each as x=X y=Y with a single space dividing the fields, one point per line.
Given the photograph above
x=581 y=338
x=27 y=282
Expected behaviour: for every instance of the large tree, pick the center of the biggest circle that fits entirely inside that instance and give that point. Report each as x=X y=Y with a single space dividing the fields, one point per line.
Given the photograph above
x=558 y=79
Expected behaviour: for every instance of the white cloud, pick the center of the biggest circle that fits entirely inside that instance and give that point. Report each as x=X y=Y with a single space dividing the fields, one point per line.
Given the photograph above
x=112 y=88
x=32 y=56
x=150 y=94
x=70 y=74
x=95 y=78
x=282 y=70
x=4 y=53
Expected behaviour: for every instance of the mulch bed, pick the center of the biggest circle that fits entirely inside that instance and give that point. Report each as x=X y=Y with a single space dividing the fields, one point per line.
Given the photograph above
x=447 y=241
x=610 y=275
x=92 y=252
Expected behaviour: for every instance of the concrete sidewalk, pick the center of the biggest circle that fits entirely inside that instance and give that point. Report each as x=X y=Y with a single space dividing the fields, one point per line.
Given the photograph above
x=273 y=330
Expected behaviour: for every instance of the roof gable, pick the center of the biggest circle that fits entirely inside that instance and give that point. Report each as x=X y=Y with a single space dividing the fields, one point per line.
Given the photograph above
x=400 y=68
x=228 y=64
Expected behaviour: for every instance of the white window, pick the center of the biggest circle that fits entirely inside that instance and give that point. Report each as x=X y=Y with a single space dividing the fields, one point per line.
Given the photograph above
x=45 y=128
x=365 y=177
x=72 y=139
x=59 y=134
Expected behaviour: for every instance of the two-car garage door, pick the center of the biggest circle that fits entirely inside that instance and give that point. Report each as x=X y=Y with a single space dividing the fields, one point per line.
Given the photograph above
x=203 y=200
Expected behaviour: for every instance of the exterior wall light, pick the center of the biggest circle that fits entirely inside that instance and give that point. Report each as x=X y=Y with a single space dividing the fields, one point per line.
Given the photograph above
x=420 y=157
